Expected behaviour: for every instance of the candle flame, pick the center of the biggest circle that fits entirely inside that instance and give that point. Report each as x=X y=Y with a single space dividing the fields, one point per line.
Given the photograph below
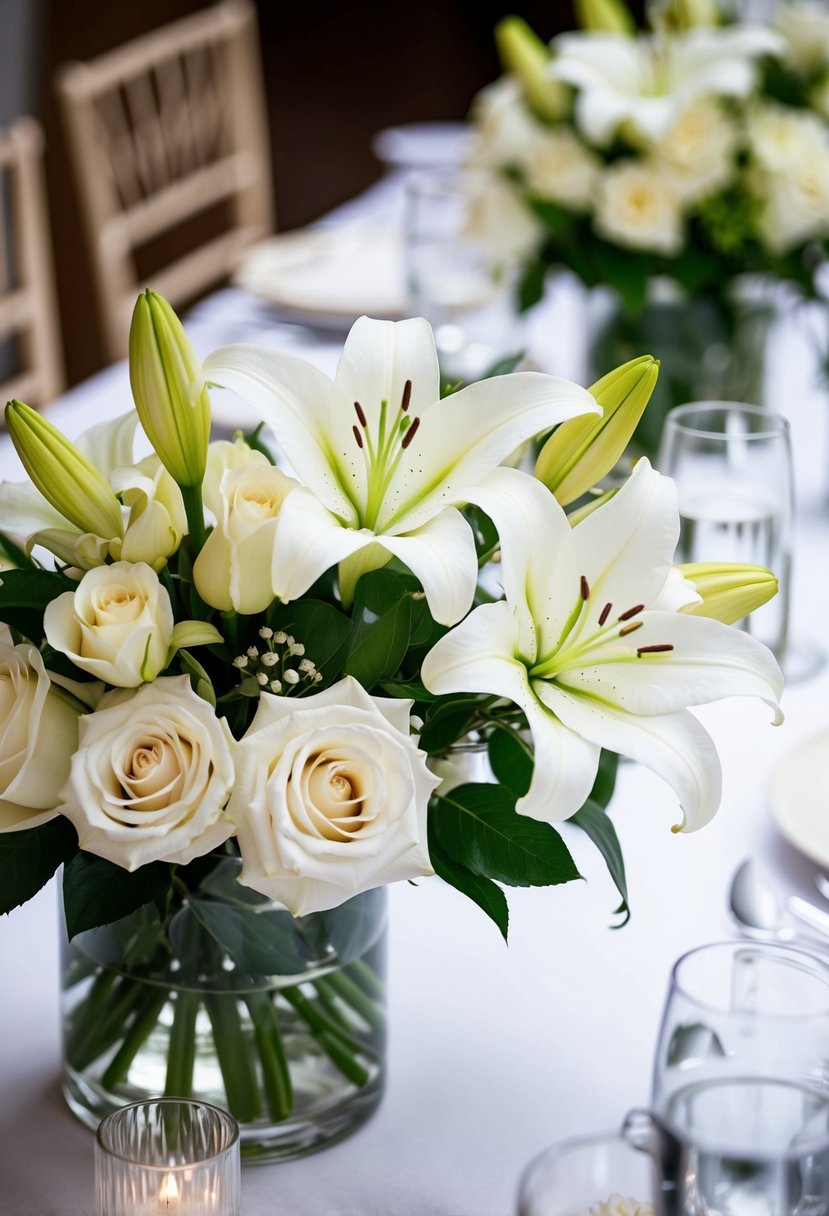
x=169 y=1190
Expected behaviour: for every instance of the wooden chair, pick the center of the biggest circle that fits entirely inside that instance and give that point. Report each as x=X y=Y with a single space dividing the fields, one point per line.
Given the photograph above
x=28 y=312
x=168 y=135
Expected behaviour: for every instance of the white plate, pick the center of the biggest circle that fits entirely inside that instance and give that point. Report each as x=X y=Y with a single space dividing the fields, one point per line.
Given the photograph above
x=422 y=145
x=799 y=798
x=328 y=276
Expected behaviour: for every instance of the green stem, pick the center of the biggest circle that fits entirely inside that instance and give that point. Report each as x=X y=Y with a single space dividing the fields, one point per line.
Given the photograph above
x=367 y=977
x=181 y=1050
x=329 y=1037
x=356 y=998
x=194 y=510
x=276 y=1076
x=238 y=1074
x=144 y=1023
x=97 y=1035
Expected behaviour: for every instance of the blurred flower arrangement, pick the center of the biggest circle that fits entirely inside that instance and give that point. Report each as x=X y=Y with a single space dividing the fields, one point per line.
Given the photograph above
x=229 y=694
x=668 y=165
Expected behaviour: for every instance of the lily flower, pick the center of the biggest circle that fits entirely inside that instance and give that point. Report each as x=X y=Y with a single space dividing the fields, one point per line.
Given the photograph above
x=648 y=81
x=382 y=462
x=591 y=644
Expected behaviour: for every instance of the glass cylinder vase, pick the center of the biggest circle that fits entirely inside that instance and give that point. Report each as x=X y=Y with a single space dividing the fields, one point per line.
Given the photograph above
x=227 y=998
x=711 y=347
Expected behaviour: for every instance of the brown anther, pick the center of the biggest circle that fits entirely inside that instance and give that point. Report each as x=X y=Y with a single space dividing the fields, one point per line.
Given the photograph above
x=605 y=613
x=631 y=612
x=631 y=628
x=357 y=436
x=407 y=396
x=658 y=648
x=410 y=434
x=358 y=409
x=585 y=588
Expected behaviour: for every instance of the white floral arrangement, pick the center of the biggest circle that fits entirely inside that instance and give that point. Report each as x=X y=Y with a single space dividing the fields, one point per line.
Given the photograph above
x=696 y=150
x=206 y=657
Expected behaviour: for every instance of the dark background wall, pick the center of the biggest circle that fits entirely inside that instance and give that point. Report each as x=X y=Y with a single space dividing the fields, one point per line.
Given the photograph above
x=335 y=74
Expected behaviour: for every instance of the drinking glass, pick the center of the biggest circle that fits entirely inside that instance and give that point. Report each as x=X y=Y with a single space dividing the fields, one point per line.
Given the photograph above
x=590 y=1175
x=168 y=1155
x=733 y=469
x=458 y=276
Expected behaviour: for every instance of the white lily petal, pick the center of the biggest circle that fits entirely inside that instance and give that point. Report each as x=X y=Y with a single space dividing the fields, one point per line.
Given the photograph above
x=377 y=360
x=309 y=540
x=522 y=510
x=110 y=445
x=627 y=545
x=28 y=511
x=565 y=765
x=464 y=437
x=675 y=746
x=442 y=555
x=292 y=397
x=678 y=592
x=478 y=656
x=709 y=661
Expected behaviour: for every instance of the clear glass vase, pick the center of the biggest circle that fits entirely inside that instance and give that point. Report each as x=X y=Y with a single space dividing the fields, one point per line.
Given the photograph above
x=227 y=998
x=711 y=347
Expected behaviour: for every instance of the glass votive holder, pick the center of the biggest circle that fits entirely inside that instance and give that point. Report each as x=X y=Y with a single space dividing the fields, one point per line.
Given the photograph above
x=603 y=1175
x=168 y=1157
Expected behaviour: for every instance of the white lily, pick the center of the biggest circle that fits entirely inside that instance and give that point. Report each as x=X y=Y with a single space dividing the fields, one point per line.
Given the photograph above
x=590 y=644
x=648 y=81
x=383 y=462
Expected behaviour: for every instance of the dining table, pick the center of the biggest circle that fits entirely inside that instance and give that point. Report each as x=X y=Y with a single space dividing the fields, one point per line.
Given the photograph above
x=495 y=1050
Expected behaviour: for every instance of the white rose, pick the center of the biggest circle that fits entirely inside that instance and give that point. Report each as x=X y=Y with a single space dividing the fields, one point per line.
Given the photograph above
x=637 y=207
x=499 y=218
x=38 y=734
x=698 y=152
x=562 y=169
x=796 y=207
x=805 y=29
x=504 y=131
x=781 y=138
x=224 y=454
x=330 y=797
x=116 y=625
x=234 y=568
x=151 y=776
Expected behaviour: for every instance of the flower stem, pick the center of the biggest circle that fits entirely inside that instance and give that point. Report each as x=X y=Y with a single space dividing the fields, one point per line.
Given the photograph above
x=181 y=1051
x=367 y=977
x=194 y=510
x=276 y=1077
x=145 y=1022
x=345 y=988
x=238 y=1074
x=329 y=1037
x=97 y=1034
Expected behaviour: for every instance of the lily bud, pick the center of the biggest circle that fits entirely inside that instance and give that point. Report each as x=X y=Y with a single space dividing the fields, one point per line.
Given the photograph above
x=528 y=58
x=171 y=400
x=584 y=450
x=729 y=590
x=64 y=476
x=607 y=16
x=688 y=14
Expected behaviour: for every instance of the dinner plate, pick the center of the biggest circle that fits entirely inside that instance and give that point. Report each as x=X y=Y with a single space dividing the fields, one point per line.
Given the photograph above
x=799 y=798
x=327 y=277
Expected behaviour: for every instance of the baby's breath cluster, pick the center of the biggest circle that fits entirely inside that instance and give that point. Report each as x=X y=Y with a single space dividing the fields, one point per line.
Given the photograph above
x=279 y=666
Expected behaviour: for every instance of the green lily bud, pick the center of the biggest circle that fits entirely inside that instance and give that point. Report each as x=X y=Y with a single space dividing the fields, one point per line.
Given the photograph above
x=581 y=452
x=528 y=58
x=64 y=476
x=171 y=400
x=607 y=16
x=729 y=590
x=688 y=14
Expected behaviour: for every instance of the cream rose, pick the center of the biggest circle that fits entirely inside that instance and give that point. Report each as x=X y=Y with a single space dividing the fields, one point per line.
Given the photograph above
x=562 y=169
x=638 y=208
x=233 y=570
x=698 y=152
x=504 y=132
x=38 y=734
x=330 y=797
x=224 y=454
x=151 y=776
x=116 y=625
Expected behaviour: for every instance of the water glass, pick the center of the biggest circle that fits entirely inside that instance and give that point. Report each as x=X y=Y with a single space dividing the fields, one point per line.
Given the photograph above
x=457 y=278
x=168 y=1155
x=732 y=465
x=600 y=1175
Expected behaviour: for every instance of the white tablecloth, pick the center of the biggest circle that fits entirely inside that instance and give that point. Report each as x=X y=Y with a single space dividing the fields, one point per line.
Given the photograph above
x=495 y=1051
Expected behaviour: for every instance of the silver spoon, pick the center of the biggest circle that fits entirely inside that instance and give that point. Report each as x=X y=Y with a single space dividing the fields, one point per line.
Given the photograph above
x=761 y=913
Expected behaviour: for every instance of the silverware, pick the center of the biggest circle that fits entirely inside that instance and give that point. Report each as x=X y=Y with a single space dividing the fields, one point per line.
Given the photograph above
x=761 y=913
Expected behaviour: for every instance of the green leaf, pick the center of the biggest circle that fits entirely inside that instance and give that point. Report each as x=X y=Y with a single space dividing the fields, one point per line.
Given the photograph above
x=255 y=441
x=264 y=943
x=221 y=883
x=605 y=782
x=531 y=286
x=448 y=720
x=321 y=628
x=511 y=759
x=503 y=367
x=98 y=892
x=478 y=828
x=29 y=858
x=13 y=553
x=408 y=688
x=483 y=891
x=381 y=590
x=24 y=596
x=352 y=927
x=596 y=824
x=379 y=644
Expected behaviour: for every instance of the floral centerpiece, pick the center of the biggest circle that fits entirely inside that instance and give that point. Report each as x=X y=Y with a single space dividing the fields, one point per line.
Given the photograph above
x=684 y=167
x=231 y=695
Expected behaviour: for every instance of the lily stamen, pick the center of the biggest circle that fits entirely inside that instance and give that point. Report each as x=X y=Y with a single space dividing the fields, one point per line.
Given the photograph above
x=657 y=648
x=625 y=616
x=604 y=614
x=631 y=628
x=407 y=396
x=585 y=588
x=357 y=436
x=410 y=434
x=360 y=414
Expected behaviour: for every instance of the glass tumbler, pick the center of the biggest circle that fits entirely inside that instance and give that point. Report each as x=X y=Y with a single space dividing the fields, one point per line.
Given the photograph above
x=732 y=466
x=601 y=1175
x=168 y=1155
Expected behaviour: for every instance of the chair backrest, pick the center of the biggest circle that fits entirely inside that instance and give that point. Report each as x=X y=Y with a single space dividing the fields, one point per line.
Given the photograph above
x=31 y=360
x=168 y=135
